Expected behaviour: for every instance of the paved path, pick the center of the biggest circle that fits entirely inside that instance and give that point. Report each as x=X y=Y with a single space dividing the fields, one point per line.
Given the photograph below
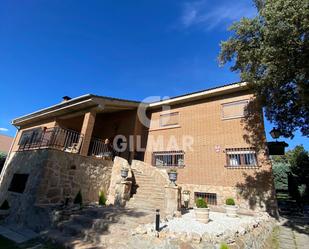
x=293 y=235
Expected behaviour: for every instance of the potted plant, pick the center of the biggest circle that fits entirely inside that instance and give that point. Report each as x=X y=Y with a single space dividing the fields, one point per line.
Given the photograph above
x=172 y=175
x=124 y=173
x=230 y=207
x=201 y=210
x=186 y=197
x=5 y=208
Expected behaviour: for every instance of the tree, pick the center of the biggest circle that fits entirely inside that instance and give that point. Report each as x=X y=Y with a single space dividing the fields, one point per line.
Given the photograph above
x=271 y=53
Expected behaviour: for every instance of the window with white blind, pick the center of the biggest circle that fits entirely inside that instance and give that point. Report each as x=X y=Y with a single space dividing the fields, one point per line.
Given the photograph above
x=237 y=157
x=234 y=109
x=169 y=119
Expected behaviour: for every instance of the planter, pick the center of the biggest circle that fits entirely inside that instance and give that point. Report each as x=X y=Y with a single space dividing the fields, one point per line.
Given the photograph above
x=173 y=177
x=231 y=210
x=202 y=214
x=124 y=173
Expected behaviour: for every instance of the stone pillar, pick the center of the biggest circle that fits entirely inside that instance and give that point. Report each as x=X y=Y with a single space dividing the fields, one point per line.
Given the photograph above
x=172 y=199
x=123 y=191
x=87 y=128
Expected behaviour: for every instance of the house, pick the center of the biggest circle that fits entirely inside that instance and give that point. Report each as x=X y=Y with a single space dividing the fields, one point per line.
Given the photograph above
x=214 y=138
x=5 y=144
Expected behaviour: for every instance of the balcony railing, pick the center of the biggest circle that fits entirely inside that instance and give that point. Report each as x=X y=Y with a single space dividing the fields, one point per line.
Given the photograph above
x=101 y=149
x=55 y=138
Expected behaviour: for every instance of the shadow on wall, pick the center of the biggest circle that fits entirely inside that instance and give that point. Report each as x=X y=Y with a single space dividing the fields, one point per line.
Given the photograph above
x=253 y=125
x=258 y=190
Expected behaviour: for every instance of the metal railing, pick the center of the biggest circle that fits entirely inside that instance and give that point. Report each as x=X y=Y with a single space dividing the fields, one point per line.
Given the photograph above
x=55 y=138
x=100 y=149
x=168 y=158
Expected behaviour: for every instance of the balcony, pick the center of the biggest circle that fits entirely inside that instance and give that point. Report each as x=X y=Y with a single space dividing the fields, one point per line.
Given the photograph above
x=62 y=139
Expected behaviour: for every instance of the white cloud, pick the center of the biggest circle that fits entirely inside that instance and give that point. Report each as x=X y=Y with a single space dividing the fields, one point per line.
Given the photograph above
x=206 y=15
x=4 y=129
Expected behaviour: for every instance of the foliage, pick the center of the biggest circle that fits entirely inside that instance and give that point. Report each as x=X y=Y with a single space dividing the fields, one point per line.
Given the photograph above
x=291 y=172
x=224 y=246
x=78 y=198
x=5 y=205
x=102 y=199
x=2 y=156
x=271 y=52
x=201 y=203
x=281 y=171
x=230 y=202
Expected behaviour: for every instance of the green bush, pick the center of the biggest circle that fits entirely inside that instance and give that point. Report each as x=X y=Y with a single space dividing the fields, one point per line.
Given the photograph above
x=224 y=246
x=102 y=199
x=230 y=202
x=201 y=203
x=78 y=198
x=5 y=205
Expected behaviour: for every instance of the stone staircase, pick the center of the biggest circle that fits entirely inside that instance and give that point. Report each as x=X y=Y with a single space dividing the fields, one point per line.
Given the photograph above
x=149 y=194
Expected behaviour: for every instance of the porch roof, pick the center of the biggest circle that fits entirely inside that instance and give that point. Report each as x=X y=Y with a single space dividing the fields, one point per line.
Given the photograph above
x=78 y=105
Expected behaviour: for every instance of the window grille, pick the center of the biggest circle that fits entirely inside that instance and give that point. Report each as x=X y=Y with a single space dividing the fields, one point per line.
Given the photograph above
x=236 y=157
x=168 y=158
x=210 y=198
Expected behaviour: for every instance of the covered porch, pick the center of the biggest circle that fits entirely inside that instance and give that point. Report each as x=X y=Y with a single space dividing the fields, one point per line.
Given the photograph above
x=88 y=128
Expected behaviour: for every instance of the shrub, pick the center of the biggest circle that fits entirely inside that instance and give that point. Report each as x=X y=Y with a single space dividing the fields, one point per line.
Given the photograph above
x=102 y=199
x=201 y=203
x=230 y=202
x=78 y=198
x=5 y=205
x=224 y=246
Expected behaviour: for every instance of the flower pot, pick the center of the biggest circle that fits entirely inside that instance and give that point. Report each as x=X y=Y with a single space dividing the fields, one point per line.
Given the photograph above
x=124 y=173
x=202 y=214
x=231 y=210
x=173 y=177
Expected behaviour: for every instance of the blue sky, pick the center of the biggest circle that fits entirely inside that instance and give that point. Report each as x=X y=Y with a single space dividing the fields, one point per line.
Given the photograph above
x=124 y=49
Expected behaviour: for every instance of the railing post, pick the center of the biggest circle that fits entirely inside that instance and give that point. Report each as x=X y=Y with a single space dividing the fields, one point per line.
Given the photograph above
x=87 y=128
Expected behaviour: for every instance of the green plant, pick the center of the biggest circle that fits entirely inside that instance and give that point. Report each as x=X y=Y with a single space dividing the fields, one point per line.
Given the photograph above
x=78 y=198
x=201 y=203
x=224 y=246
x=102 y=199
x=230 y=202
x=5 y=205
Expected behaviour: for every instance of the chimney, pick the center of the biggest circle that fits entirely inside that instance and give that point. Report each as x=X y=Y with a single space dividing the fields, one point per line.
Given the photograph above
x=65 y=98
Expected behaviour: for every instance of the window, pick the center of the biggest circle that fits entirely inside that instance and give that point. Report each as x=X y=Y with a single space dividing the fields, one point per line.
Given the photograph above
x=169 y=119
x=18 y=183
x=168 y=158
x=234 y=109
x=240 y=157
x=210 y=198
x=32 y=136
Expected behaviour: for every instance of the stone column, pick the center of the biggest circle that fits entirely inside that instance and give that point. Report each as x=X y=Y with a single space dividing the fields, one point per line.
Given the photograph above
x=123 y=191
x=172 y=199
x=87 y=128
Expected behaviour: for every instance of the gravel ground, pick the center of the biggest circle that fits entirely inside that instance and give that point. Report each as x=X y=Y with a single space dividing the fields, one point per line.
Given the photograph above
x=218 y=223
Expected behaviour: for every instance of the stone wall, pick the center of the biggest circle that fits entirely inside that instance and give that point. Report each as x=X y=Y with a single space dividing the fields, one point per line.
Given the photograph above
x=65 y=174
x=53 y=177
x=258 y=200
